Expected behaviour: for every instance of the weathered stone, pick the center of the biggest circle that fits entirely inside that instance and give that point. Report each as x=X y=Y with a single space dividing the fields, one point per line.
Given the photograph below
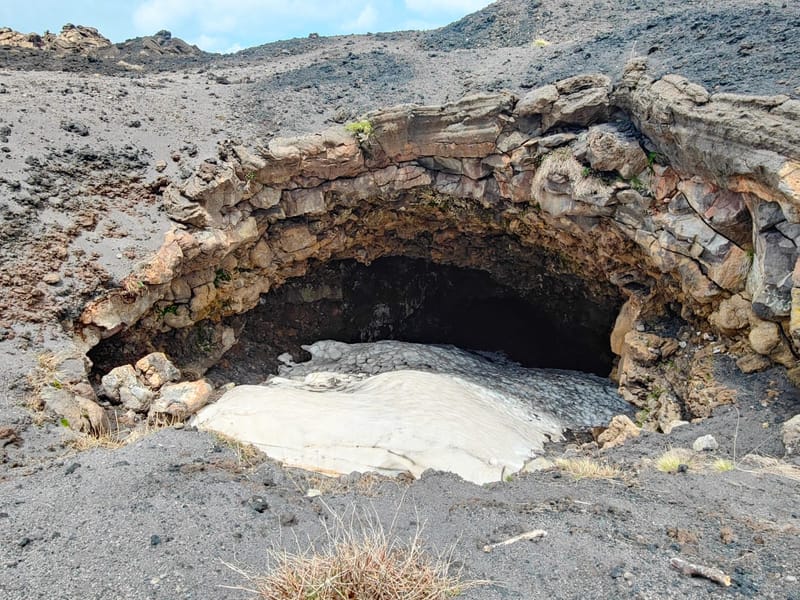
x=730 y=273
x=561 y=189
x=157 y=369
x=296 y=237
x=330 y=154
x=624 y=324
x=667 y=412
x=770 y=280
x=753 y=363
x=261 y=255
x=644 y=348
x=468 y=128
x=303 y=202
x=724 y=211
x=183 y=210
x=582 y=100
x=267 y=197
x=790 y=435
x=664 y=182
x=612 y=149
x=94 y=414
x=765 y=337
x=767 y=215
x=732 y=315
x=537 y=101
x=163 y=266
x=81 y=414
x=705 y=443
x=620 y=430
x=123 y=384
x=182 y=400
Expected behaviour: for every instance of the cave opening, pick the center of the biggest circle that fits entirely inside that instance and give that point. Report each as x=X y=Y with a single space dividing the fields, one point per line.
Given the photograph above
x=525 y=306
x=538 y=320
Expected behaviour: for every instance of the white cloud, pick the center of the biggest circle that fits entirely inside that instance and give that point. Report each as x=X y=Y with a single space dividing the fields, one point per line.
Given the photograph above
x=231 y=15
x=157 y=14
x=365 y=20
x=450 y=6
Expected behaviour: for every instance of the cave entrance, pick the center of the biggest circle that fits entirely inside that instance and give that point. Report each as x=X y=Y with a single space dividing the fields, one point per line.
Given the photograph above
x=537 y=319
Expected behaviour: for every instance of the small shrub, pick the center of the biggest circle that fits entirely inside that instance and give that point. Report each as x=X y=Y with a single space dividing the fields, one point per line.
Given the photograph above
x=360 y=561
x=540 y=43
x=722 y=465
x=362 y=129
x=585 y=468
x=671 y=460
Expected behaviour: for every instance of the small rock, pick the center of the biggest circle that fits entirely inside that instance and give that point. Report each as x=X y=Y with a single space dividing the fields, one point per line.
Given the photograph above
x=313 y=493
x=72 y=468
x=52 y=278
x=683 y=468
x=258 y=504
x=705 y=443
x=288 y=519
x=75 y=127
x=156 y=370
x=753 y=363
x=790 y=435
x=790 y=579
x=136 y=123
x=160 y=166
x=619 y=430
x=182 y=399
x=155 y=540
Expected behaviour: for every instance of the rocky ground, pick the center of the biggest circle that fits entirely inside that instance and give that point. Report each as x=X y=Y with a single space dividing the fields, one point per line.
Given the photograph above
x=88 y=139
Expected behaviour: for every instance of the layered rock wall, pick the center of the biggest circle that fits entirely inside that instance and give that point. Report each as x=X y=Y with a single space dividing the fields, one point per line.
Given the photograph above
x=656 y=190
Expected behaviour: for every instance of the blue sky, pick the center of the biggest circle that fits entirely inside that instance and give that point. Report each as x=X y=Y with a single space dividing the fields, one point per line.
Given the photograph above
x=229 y=25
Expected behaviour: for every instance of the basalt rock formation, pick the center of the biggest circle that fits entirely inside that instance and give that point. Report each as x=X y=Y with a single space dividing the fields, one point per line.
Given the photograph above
x=81 y=42
x=73 y=38
x=645 y=198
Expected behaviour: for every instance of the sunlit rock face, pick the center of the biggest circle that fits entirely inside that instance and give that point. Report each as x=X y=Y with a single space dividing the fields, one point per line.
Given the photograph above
x=395 y=407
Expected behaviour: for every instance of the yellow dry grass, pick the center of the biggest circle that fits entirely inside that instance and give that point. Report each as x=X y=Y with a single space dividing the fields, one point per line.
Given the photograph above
x=586 y=468
x=247 y=455
x=118 y=438
x=360 y=561
x=671 y=460
x=722 y=465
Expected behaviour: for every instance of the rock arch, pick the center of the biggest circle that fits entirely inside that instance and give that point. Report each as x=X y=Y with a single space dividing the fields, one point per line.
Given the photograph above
x=652 y=193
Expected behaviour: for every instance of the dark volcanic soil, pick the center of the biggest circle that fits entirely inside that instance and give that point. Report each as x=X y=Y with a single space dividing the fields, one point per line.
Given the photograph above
x=80 y=139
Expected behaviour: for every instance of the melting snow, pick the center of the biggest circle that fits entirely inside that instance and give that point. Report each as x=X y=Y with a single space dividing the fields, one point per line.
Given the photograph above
x=396 y=407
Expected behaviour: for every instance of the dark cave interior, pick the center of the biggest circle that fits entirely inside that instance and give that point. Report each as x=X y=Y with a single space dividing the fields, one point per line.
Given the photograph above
x=531 y=315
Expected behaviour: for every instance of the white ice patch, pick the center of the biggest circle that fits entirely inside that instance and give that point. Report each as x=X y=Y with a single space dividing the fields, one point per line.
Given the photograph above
x=395 y=407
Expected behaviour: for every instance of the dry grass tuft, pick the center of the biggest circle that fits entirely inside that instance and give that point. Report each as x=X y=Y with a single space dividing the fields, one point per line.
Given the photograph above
x=671 y=460
x=722 y=465
x=770 y=466
x=360 y=561
x=585 y=468
x=247 y=455
x=113 y=440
